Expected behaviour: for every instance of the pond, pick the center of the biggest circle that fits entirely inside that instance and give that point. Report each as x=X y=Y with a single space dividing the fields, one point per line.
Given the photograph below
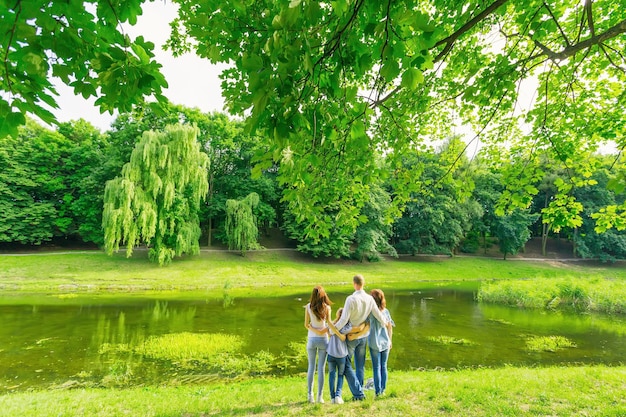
x=82 y=340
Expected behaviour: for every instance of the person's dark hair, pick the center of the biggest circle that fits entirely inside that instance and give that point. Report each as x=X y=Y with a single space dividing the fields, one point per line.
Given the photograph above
x=379 y=297
x=319 y=302
x=358 y=280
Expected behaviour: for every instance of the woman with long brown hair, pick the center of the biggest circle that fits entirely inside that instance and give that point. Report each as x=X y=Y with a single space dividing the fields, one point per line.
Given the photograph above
x=316 y=314
x=380 y=342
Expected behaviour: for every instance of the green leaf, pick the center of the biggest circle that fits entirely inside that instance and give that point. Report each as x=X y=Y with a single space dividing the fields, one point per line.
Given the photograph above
x=10 y=122
x=251 y=63
x=390 y=70
x=411 y=78
x=141 y=53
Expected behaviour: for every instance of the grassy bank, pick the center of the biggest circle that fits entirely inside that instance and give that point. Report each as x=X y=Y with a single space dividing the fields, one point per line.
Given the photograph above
x=596 y=294
x=579 y=391
x=264 y=273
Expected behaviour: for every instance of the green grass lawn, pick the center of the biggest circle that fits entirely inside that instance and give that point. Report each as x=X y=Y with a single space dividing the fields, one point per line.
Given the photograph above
x=264 y=273
x=578 y=391
x=509 y=391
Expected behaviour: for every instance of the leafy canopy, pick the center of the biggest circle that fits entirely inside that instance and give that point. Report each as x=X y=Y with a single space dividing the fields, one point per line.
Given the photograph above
x=336 y=84
x=83 y=44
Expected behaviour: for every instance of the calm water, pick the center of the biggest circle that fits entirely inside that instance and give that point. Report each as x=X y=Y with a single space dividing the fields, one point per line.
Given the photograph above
x=49 y=341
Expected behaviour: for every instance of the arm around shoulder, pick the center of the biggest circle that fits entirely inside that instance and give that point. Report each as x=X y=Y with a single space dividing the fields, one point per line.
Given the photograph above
x=336 y=331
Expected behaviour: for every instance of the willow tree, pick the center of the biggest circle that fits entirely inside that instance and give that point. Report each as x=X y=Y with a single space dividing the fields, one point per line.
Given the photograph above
x=241 y=227
x=156 y=199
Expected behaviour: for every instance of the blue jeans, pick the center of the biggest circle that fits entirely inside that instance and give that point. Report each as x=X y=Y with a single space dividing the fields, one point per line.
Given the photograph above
x=355 y=387
x=316 y=346
x=336 y=369
x=357 y=348
x=379 y=366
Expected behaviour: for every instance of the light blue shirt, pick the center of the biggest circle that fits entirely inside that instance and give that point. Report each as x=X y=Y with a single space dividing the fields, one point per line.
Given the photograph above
x=378 y=338
x=336 y=346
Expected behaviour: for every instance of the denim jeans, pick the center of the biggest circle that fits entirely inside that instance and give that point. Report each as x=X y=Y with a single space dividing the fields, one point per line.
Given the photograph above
x=357 y=348
x=316 y=346
x=336 y=369
x=355 y=387
x=379 y=366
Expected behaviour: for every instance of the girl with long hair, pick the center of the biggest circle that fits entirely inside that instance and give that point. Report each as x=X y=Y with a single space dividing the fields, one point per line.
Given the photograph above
x=316 y=314
x=380 y=343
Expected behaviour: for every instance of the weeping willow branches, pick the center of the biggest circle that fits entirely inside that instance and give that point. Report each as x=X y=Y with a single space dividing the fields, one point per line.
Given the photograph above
x=156 y=199
x=241 y=228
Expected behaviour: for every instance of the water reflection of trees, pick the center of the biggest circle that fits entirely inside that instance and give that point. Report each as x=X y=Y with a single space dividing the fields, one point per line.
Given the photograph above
x=118 y=333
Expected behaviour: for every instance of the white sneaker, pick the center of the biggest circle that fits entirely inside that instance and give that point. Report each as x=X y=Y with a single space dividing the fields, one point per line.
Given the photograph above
x=320 y=399
x=338 y=400
x=311 y=400
x=332 y=401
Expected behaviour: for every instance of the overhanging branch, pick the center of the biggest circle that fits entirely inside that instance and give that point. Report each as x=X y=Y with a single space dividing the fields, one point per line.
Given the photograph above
x=449 y=41
x=568 y=51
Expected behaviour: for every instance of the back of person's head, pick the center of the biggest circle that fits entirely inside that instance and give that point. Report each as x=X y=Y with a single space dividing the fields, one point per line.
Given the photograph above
x=379 y=297
x=358 y=280
x=319 y=302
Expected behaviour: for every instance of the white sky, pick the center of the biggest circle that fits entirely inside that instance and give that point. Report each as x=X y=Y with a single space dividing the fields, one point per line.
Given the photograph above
x=193 y=82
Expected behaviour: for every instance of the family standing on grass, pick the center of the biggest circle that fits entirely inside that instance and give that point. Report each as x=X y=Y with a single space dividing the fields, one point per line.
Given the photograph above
x=364 y=320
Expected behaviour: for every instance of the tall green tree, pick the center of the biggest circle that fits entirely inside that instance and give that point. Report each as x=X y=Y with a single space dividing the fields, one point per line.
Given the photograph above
x=231 y=176
x=372 y=238
x=85 y=178
x=513 y=230
x=27 y=214
x=440 y=212
x=229 y=148
x=613 y=216
x=487 y=192
x=333 y=83
x=241 y=227
x=157 y=197
x=608 y=245
x=43 y=177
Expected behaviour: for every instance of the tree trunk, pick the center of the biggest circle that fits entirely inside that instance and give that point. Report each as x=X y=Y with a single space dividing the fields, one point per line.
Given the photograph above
x=485 y=242
x=211 y=180
x=545 y=230
x=210 y=232
x=544 y=238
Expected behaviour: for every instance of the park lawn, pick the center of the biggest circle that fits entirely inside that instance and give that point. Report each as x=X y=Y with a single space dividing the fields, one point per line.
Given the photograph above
x=264 y=273
x=562 y=391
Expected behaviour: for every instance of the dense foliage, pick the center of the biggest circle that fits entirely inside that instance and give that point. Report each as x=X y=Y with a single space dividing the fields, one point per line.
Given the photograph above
x=333 y=85
x=80 y=42
x=51 y=184
x=53 y=188
x=342 y=101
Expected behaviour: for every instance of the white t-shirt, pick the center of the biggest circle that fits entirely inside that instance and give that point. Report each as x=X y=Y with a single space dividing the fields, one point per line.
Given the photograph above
x=357 y=309
x=315 y=322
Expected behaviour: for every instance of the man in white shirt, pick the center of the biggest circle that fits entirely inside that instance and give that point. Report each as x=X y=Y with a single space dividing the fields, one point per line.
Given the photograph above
x=356 y=310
